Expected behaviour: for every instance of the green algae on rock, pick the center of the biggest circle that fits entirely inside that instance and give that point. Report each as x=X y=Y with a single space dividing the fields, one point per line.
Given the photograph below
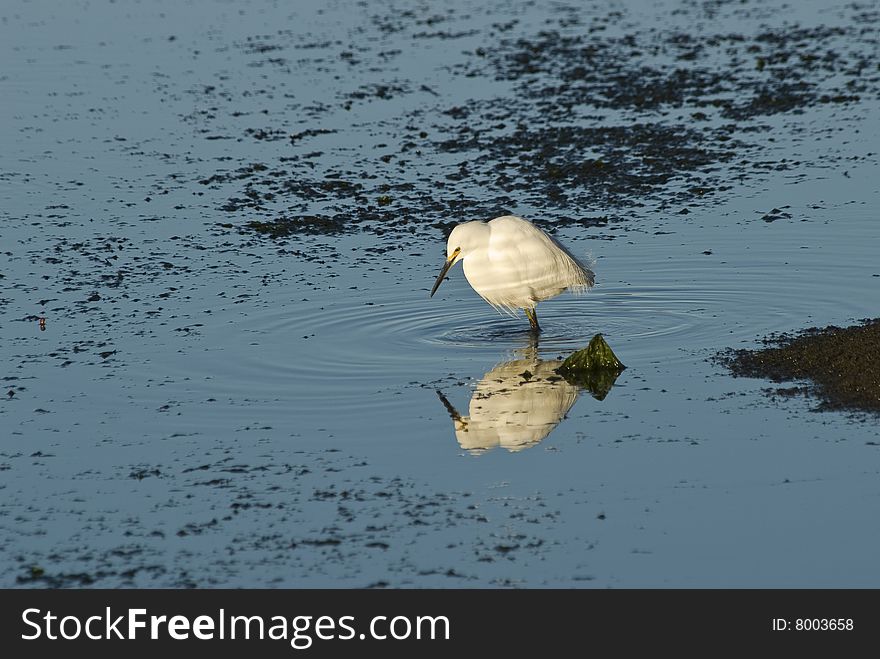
x=594 y=368
x=841 y=363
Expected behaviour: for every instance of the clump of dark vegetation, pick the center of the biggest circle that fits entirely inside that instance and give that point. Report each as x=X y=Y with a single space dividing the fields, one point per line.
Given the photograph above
x=595 y=122
x=744 y=76
x=589 y=167
x=284 y=227
x=594 y=368
x=842 y=364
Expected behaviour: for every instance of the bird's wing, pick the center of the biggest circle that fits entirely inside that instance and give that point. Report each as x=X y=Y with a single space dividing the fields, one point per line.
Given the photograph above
x=522 y=253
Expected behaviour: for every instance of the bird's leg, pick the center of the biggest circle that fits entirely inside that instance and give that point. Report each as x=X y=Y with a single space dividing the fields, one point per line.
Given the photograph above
x=532 y=315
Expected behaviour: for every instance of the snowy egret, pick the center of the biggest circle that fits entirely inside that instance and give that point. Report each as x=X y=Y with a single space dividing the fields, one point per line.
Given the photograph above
x=512 y=264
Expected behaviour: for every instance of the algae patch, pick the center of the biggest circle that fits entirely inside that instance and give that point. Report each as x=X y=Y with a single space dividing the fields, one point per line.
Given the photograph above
x=285 y=227
x=594 y=368
x=841 y=363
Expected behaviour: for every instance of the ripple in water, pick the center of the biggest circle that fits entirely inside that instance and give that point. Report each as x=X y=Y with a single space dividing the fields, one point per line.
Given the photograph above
x=389 y=334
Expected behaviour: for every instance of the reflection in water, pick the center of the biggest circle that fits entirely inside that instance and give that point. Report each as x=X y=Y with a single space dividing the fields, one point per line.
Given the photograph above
x=519 y=402
x=516 y=405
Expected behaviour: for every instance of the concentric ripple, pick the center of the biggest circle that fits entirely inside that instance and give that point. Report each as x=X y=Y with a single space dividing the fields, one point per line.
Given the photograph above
x=650 y=304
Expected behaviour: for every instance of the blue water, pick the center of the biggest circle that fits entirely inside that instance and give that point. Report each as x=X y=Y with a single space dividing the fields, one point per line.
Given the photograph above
x=268 y=413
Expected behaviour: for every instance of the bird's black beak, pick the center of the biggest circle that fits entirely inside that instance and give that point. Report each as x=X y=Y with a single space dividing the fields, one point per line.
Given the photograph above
x=443 y=272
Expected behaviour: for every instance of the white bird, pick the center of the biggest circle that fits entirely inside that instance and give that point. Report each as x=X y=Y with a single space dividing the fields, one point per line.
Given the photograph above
x=512 y=264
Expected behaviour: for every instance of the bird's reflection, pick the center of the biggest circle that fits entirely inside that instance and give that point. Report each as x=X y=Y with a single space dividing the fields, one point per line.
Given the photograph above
x=515 y=405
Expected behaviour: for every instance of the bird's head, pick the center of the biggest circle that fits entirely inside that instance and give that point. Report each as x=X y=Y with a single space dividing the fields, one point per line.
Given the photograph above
x=464 y=239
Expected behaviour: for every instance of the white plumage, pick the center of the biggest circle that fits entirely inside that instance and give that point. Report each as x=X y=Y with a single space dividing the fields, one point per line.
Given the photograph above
x=512 y=264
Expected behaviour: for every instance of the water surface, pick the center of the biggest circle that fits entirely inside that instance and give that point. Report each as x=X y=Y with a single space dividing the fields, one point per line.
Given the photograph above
x=211 y=406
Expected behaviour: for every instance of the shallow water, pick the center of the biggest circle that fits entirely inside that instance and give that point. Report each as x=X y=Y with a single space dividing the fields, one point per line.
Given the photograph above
x=233 y=410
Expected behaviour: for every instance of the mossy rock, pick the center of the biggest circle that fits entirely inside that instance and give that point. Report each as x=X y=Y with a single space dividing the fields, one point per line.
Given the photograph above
x=595 y=368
